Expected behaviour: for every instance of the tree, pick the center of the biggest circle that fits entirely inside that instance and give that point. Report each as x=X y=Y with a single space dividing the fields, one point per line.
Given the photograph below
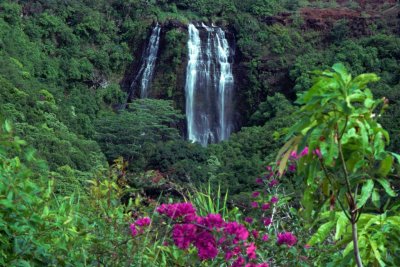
x=135 y=132
x=181 y=161
x=346 y=144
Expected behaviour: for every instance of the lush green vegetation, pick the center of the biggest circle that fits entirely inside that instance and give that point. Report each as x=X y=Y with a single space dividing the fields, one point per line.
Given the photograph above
x=78 y=167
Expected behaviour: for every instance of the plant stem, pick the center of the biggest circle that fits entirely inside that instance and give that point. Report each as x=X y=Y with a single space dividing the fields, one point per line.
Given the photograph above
x=337 y=194
x=351 y=201
x=355 y=243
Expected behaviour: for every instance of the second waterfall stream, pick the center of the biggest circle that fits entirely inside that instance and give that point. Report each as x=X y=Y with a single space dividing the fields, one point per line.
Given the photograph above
x=148 y=63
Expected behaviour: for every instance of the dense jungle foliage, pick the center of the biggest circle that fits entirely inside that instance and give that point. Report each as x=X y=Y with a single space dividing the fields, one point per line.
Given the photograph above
x=80 y=170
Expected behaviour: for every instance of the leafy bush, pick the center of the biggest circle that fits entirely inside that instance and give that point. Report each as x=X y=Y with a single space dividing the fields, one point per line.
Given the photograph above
x=338 y=118
x=36 y=226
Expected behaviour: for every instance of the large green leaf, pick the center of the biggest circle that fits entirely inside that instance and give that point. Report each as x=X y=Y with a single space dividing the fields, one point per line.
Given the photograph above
x=366 y=192
x=377 y=254
x=368 y=103
x=397 y=156
x=349 y=135
x=386 y=185
x=379 y=145
x=341 y=226
x=7 y=126
x=362 y=80
x=322 y=233
x=385 y=166
x=341 y=69
x=308 y=203
x=364 y=134
x=376 y=199
x=282 y=164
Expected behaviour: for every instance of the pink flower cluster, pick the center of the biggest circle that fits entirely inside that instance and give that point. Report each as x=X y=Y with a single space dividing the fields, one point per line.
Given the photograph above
x=305 y=152
x=140 y=223
x=286 y=238
x=294 y=156
x=178 y=211
x=210 y=234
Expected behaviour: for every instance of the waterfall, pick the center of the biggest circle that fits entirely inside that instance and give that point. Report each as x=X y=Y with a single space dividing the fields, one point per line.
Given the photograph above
x=147 y=65
x=209 y=85
x=194 y=50
x=225 y=86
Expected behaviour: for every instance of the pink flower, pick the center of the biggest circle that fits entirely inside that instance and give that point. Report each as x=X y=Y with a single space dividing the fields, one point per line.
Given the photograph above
x=184 y=211
x=248 y=220
x=222 y=240
x=265 y=206
x=265 y=238
x=134 y=231
x=251 y=251
x=269 y=168
x=307 y=246
x=239 y=262
x=255 y=194
x=255 y=234
x=145 y=221
x=304 y=152
x=267 y=221
x=236 y=229
x=206 y=245
x=212 y=221
x=273 y=183
x=257 y=265
x=317 y=152
x=274 y=199
x=236 y=250
x=292 y=168
x=183 y=235
x=228 y=255
x=259 y=181
x=254 y=205
x=286 y=238
x=268 y=176
x=293 y=155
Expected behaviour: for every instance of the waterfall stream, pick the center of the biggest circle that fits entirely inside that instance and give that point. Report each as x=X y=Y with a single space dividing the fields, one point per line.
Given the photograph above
x=209 y=85
x=148 y=63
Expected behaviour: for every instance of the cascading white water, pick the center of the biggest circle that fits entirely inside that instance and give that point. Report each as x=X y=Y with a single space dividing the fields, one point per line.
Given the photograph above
x=148 y=63
x=209 y=85
x=150 y=60
x=225 y=85
x=194 y=50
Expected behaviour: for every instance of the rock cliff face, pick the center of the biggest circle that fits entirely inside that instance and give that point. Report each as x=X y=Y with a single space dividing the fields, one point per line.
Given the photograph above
x=368 y=5
x=360 y=13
